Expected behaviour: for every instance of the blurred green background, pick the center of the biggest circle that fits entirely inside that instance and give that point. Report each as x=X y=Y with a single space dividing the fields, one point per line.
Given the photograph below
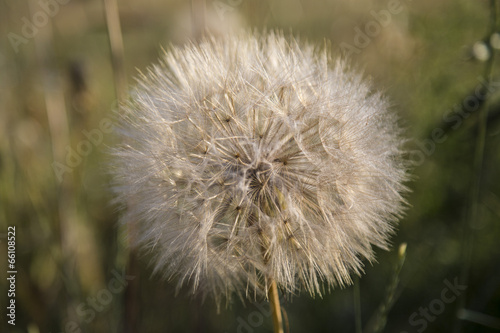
x=57 y=92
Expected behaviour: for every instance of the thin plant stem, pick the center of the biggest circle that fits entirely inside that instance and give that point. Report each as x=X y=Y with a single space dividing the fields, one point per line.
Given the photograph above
x=130 y=322
x=57 y=118
x=274 y=301
x=473 y=214
x=116 y=45
x=273 y=295
x=379 y=319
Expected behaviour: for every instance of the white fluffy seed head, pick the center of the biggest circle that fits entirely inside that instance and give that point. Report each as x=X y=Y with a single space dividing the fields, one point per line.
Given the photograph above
x=253 y=157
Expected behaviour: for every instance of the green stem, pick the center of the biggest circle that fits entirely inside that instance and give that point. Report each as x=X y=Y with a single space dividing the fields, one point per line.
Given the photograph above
x=472 y=220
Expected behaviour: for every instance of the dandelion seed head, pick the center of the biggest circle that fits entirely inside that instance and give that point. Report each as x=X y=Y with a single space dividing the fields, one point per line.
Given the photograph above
x=255 y=156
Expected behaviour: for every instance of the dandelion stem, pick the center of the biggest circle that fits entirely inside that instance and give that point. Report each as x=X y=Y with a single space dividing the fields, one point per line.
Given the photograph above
x=274 y=301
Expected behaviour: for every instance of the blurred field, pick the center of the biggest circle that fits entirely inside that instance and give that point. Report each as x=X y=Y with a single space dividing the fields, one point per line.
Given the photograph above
x=57 y=92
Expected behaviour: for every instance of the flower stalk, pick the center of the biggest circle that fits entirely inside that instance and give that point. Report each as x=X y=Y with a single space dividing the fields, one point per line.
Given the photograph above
x=274 y=302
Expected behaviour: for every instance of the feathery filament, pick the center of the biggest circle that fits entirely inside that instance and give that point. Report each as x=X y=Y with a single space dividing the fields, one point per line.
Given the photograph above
x=254 y=156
